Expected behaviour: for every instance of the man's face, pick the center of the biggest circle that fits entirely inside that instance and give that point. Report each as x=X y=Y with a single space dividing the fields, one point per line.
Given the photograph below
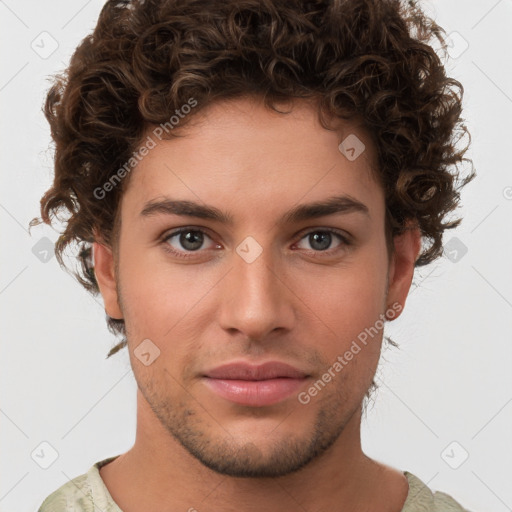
x=302 y=301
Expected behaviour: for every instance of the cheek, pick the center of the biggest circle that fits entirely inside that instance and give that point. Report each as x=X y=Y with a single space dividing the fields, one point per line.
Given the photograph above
x=349 y=301
x=158 y=305
x=158 y=297
x=349 y=295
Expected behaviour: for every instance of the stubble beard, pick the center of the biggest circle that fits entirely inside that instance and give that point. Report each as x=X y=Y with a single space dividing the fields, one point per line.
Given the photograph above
x=228 y=456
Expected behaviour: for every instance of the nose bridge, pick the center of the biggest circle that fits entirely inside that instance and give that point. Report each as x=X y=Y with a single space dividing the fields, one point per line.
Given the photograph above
x=255 y=299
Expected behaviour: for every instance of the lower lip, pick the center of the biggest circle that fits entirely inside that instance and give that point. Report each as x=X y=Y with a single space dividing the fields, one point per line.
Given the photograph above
x=255 y=392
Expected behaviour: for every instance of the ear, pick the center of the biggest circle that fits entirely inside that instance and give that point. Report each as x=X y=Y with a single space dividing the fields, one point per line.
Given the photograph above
x=104 y=271
x=407 y=246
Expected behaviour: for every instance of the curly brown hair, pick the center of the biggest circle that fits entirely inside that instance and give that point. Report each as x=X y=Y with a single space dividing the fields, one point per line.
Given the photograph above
x=370 y=59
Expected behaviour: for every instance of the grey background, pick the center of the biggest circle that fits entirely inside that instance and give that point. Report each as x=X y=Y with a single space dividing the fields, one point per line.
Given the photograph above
x=450 y=381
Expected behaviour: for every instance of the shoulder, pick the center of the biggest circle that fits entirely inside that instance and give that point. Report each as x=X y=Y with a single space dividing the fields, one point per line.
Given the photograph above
x=85 y=493
x=421 y=499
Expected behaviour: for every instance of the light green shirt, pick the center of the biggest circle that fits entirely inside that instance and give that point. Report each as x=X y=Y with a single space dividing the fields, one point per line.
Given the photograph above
x=88 y=493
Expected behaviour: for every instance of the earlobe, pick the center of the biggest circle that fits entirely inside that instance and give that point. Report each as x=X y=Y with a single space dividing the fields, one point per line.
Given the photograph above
x=407 y=246
x=104 y=271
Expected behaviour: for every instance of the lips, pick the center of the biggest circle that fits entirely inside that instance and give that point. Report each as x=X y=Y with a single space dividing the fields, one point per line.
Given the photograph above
x=244 y=371
x=255 y=386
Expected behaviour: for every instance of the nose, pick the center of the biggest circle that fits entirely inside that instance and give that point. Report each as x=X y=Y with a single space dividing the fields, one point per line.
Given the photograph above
x=257 y=299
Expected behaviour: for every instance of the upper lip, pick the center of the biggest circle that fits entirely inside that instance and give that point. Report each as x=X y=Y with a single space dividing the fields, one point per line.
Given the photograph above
x=246 y=371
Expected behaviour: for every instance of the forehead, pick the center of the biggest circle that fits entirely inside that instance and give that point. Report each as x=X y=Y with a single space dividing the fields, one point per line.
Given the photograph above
x=242 y=154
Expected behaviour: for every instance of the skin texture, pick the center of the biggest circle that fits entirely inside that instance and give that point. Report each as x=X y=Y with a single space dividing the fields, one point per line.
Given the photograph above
x=295 y=303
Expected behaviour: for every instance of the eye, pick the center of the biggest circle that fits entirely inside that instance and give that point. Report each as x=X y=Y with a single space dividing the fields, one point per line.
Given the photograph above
x=185 y=240
x=321 y=239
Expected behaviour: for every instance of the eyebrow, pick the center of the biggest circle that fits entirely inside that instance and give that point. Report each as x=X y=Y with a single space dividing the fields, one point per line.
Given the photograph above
x=337 y=204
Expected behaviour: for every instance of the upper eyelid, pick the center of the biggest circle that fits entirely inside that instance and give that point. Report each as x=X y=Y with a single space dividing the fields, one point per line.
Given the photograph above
x=177 y=231
x=335 y=231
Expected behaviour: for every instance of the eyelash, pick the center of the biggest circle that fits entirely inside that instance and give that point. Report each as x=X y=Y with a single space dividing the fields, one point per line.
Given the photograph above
x=190 y=254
